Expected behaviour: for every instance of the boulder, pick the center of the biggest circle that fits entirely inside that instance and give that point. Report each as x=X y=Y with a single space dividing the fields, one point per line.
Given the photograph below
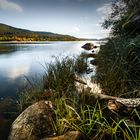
x=93 y=55
x=71 y=135
x=34 y=123
x=94 y=62
x=95 y=47
x=88 y=46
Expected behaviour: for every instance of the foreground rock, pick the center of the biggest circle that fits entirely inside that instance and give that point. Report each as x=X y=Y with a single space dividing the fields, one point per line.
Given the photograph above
x=88 y=46
x=72 y=135
x=34 y=123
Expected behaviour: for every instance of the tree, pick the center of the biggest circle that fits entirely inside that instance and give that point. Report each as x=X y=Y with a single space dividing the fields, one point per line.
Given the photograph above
x=124 y=18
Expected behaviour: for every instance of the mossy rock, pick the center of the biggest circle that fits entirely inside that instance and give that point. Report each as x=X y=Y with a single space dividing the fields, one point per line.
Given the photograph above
x=34 y=123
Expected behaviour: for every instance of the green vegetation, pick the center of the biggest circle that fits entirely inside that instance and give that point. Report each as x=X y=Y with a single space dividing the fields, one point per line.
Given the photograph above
x=93 y=122
x=118 y=67
x=117 y=73
x=59 y=80
x=124 y=19
x=60 y=76
x=8 y=33
x=75 y=110
x=119 y=59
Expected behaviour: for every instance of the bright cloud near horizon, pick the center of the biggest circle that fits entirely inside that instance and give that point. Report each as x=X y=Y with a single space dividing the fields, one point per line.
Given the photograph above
x=80 y=18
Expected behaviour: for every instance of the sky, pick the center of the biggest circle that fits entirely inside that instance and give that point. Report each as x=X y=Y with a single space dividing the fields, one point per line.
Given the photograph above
x=79 y=18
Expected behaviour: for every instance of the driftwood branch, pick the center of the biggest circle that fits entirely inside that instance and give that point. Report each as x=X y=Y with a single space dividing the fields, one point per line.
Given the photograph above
x=114 y=103
x=118 y=105
x=130 y=102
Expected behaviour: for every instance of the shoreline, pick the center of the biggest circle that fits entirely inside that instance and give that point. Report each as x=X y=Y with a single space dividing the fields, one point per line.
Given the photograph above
x=41 y=42
x=32 y=42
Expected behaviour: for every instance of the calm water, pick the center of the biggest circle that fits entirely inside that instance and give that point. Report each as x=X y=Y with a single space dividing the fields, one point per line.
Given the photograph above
x=26 y=60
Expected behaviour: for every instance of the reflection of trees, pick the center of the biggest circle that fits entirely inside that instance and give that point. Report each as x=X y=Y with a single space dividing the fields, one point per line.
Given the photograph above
x=7 y=49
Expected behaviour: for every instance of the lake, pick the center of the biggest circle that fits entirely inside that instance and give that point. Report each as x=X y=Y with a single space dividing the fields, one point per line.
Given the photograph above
x=18 y=61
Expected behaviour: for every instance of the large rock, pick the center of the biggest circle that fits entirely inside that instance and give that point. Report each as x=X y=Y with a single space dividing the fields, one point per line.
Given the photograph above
x=34 y=123
x=88 y=46
x=71 y=135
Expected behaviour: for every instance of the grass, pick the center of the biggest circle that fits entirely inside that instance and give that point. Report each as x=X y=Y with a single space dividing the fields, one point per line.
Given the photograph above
x=58 y=80
x=78 y=111
x=92 y=122
x=118 y=67
x=60 y=76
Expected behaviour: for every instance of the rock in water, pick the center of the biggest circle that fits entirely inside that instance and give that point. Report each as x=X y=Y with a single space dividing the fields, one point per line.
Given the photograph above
x=34 y=123
x=88 y=46
x=94 y=62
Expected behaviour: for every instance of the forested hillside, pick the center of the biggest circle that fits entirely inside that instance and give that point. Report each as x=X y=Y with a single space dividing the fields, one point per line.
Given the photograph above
x=9 y=33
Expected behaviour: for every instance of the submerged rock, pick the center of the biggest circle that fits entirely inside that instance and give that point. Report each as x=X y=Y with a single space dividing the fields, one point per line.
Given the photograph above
x=94 y=62
x=88 y=46
x=95 y=47
x=71 y=135
x=93 y=55
x=34 y=123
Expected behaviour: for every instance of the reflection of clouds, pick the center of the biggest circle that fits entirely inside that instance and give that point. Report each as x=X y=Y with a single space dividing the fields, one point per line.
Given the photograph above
x=18 y=71
x=24 y=62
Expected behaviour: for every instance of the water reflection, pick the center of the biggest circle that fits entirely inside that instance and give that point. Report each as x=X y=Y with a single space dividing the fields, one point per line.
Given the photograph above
x=17 y=71
x=27 y=59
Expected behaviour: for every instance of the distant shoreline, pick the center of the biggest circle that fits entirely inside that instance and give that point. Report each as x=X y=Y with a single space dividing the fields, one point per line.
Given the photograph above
x=40 y=42
x=31 y=42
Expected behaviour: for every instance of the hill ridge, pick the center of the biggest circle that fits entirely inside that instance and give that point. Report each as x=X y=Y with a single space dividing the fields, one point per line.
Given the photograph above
x=10 y=33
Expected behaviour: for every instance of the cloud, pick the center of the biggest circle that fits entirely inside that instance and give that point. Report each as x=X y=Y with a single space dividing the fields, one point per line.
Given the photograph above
x=76 y=29
x=16 y=72
x=9 y=5
x=105 y=9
